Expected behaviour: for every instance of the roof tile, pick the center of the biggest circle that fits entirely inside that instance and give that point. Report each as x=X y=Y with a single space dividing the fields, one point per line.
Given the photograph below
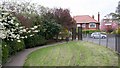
x=84 y=19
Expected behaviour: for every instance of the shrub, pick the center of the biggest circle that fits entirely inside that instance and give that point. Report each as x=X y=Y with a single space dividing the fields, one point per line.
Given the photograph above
x=5 y=52
x=34 y=41
x=118 y=31
x=20 y=45
x=15 y=46
x=89 y=31
x=39 y=40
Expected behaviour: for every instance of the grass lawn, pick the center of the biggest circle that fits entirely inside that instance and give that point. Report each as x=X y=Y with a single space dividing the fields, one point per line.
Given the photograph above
x=74 y=53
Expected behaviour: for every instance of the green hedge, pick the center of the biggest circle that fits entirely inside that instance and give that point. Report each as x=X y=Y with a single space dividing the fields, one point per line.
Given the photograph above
x=11 y=47
x=5 y=52
x=15 y=46
x=35 y=40
x=89 y=31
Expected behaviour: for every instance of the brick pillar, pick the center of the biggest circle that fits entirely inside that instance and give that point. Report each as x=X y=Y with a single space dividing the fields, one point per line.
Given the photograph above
x=79 y=33
x=73 y=33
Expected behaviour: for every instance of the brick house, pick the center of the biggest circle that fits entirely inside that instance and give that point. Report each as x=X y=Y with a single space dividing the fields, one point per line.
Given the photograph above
x=87 y=22
x=108 y=24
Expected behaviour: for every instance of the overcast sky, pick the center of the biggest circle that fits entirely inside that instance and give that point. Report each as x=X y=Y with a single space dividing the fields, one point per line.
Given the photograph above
x=82 y=7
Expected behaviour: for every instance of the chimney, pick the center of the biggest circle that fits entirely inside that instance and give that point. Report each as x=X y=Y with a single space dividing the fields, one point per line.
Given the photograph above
x=98 y=17
x=93 y=16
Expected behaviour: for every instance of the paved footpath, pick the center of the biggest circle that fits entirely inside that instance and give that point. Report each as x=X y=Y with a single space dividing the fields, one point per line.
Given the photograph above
x=20 y=57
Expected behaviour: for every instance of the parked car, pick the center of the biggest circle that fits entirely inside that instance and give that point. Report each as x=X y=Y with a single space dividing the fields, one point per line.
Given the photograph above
x=98 y=35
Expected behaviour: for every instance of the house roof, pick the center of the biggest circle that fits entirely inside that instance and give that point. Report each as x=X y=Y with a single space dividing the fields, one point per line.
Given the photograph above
x=84 y=19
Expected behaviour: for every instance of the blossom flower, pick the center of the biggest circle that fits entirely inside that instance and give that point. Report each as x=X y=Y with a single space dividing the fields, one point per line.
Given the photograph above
x=5 y=45
x=25 y=36
x=35 y=27
x=36 y=31
x=31 y=35
x=24 y=30
x=32 y=28
x=22 y=37
x=17 y=24
x=18 y=40
x=12 y=29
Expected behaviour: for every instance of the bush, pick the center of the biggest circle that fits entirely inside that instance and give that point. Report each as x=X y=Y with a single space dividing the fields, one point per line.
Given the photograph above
x=15 y=46
x=5 y=52
x=11 y=47
x=20 y=45
x=34 y=41
x=89 y=31
x=118 y=31
x=39 y=40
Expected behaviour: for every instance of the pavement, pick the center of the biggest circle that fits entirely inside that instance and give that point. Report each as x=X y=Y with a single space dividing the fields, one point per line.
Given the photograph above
x=20 y=57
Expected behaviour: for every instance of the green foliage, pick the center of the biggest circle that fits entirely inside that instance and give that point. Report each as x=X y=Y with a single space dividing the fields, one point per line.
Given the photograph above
x=5 y=52
x=64 y=33
x=11 y=47
x=118 y=31
x=50 y=29
x=34 y=41
x=29 y=42
x=39 y=40
x=15 y=46
x=89 y=31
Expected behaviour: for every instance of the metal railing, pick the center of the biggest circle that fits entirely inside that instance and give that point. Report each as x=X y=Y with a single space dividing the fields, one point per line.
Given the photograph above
x=112 y=41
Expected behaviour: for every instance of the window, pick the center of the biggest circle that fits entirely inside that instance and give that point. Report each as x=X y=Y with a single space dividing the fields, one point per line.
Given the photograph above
x=83 y=25
x=92 y=25
x=78 y=25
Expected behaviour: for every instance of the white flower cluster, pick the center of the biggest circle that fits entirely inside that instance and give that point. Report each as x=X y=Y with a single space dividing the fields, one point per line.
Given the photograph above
x=10 y=29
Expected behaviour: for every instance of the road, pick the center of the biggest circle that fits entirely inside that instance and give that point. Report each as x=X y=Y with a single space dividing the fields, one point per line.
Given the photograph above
x=110 y=44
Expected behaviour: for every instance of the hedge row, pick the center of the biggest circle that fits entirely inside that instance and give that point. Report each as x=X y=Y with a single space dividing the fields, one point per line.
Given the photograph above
x=35 y=40
x=89 y=31
x=12 y=47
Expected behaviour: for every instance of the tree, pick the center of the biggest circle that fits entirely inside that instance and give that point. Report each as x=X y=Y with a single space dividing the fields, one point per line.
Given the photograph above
x=118 y=8
x=116 y=15
x=49 y=26
x=12 y=28
x=63 y=17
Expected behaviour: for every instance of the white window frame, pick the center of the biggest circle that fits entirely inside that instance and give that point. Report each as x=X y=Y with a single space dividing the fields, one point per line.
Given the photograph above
x=84 y=25
x=92 y=23
x=78 y=25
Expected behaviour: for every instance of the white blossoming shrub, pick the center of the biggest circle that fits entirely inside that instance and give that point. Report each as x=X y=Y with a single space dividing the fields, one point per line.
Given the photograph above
x=10 y=27
x=14 y=35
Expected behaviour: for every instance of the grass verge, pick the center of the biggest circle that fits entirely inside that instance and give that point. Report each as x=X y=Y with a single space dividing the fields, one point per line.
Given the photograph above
x=73 y=53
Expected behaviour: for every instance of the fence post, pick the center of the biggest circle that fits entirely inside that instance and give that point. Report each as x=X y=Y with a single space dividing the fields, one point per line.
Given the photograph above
x=99 y=39
x=118 y=43
x=107 y=41
x=115 y=42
